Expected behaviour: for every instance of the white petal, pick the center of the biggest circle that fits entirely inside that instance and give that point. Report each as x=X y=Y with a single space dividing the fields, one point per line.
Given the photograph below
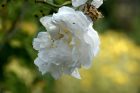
x=85 y=55
x=53 y=30
x=76 y=74
x=42 y=65
x=83 y=51
x=92 y=38
x=76 y=22
x=60 y=54
x=46 y=21
x=77 y=3
x=97 y=3
x=43 y=40
x=55 y=71
x=68 y=70
x=92 y=43
x=65 y=10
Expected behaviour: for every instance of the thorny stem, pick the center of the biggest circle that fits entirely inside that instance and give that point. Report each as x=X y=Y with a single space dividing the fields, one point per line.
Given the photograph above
x=53 y=5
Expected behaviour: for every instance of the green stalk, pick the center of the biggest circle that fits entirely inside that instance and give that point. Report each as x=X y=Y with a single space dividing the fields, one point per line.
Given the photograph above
x=53 y=5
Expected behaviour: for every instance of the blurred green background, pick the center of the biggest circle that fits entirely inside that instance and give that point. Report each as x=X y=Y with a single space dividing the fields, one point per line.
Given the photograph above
x=116 y=69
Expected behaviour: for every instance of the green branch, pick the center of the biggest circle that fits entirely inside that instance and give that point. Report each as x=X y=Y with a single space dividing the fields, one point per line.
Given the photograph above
x=53 y=5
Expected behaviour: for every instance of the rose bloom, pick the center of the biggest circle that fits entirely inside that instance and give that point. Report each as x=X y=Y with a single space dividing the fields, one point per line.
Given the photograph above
x=96 y=3
x=69 y=43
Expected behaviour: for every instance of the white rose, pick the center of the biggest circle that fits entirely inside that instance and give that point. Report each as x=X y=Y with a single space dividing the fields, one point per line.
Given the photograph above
x=69 y=43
